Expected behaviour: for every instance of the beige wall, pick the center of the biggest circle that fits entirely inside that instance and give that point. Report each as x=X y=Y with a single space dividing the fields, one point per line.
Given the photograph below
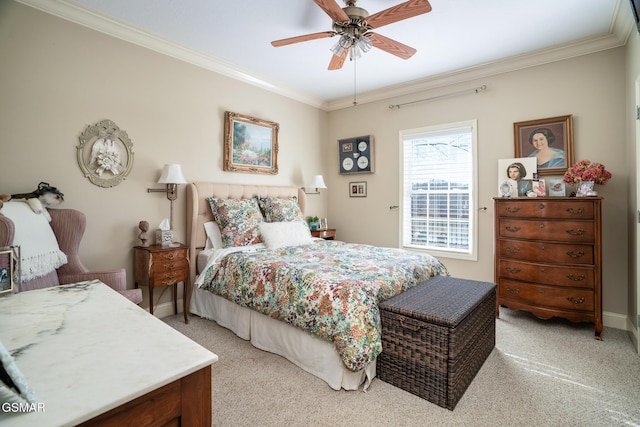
x=56 y=78
x=63 y=77
x=591 y=88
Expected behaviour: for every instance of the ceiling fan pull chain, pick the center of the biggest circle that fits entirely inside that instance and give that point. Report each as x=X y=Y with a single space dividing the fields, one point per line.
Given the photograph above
x=355 y=60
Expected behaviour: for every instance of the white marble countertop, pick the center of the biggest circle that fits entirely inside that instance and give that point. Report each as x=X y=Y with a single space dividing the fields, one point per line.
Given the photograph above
x=85 y=349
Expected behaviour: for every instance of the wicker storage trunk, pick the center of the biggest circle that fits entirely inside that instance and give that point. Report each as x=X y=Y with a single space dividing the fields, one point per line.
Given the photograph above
x=436 y=336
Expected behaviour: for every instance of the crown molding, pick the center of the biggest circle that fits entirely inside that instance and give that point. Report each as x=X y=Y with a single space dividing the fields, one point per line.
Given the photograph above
x=117 y=29
x=481 y=71
x=621 y=28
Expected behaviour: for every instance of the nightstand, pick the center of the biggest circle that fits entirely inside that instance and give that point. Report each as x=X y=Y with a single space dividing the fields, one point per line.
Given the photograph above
x=326 y=234
x=163 y=265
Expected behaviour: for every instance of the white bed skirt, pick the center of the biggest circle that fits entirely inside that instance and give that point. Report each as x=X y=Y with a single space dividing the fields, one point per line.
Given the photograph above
x=314 y=355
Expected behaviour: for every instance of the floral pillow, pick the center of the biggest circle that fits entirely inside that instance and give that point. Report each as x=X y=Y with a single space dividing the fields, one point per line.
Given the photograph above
x=238 y=220
x=278 y=210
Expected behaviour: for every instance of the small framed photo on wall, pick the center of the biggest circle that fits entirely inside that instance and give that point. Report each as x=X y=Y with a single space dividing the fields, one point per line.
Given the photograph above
x=358 y=189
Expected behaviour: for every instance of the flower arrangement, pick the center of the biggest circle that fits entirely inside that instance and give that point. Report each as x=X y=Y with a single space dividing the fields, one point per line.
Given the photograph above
x=585 y=171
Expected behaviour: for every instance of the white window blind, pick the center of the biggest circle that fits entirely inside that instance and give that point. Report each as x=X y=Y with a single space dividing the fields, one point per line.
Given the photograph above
x=438 y=187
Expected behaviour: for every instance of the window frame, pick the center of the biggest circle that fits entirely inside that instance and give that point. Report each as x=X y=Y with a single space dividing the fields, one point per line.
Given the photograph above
x=472 y=253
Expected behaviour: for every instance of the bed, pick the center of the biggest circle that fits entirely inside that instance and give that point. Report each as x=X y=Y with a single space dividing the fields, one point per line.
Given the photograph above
x=258 y=309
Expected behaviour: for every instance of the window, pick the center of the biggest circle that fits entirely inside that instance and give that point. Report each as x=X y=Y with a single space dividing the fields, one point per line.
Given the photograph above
x=438 y=179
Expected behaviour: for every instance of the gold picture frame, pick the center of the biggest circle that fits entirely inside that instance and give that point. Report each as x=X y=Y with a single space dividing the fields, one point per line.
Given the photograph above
x=250 y=144
x=556 y=140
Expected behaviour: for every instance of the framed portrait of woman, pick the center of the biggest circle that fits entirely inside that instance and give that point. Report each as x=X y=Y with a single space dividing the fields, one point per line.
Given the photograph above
x=549 y=141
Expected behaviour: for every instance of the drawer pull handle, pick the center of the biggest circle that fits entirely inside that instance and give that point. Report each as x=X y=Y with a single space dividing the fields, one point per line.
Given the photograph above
x=579 y=232
x=541 y=206
x=541 y=225
x=512 y=210
x=512 y=250
x=542 y=269
x=573 y=300
x=170 y=255
x=170 y=275
x=410 y=327
x=578 y=211
x=576 y=278
x=513 y=290
x=512 y=270
x=573 y=254
x=512 y=229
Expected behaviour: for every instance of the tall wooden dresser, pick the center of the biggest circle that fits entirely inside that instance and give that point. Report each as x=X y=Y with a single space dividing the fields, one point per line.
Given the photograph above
x=548 y=257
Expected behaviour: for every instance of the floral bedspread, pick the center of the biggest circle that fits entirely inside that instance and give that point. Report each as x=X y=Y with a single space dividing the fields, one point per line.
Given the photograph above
x=329 y=288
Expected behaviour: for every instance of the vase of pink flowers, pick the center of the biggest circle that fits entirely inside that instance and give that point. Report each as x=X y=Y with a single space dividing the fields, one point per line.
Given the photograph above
x=585 y=174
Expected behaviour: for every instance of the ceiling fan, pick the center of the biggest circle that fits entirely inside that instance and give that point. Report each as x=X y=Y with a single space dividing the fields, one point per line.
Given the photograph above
x=353 y=25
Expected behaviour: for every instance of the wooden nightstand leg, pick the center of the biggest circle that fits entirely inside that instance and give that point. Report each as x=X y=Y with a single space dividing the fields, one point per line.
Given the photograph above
x=186 y=299
x=150 y=298
x=175 y=299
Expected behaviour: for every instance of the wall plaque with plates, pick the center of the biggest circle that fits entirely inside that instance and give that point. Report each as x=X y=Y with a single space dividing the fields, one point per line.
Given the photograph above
x=356 y=155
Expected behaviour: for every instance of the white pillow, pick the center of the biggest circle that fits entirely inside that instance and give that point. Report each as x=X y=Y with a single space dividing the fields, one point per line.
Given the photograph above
x=280 y=234
x=214 y=239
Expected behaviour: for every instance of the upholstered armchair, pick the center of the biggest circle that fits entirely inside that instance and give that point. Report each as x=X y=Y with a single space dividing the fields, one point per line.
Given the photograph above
x=68 y=226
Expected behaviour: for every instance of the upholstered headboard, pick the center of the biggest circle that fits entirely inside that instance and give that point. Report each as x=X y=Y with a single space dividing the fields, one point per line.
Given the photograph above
x=199 y=211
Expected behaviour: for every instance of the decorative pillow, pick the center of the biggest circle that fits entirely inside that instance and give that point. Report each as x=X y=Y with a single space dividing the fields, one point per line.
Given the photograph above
x=276 y=210
x=285 y=233
x=238 y=220
x=214 y=239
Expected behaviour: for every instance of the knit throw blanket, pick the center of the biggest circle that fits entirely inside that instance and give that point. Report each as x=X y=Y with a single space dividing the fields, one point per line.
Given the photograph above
x=39 y=249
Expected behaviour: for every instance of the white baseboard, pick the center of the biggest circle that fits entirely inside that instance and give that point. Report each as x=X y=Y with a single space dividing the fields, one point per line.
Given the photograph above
x=165 y=309
x=615 y=320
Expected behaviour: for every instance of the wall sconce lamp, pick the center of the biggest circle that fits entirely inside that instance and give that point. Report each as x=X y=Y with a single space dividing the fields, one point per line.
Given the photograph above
x=317 y=184
x=172 y=176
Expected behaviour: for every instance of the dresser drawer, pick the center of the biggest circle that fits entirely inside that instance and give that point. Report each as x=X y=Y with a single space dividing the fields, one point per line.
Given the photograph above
x=546 y=209
x=554 y=230
x=570 y=276
x=547 y=296
x=170 y=255
x=168 y=265
x=545 y=252
x=169 y=277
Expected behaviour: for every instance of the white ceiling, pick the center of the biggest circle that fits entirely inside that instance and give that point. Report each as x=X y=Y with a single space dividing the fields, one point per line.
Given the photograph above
x=456 y=41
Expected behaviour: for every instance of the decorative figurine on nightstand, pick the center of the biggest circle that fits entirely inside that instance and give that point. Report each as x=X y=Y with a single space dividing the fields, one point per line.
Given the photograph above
x=144 y=227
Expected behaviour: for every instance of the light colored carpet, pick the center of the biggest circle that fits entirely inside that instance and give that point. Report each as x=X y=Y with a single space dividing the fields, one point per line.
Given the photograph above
x=542 y=373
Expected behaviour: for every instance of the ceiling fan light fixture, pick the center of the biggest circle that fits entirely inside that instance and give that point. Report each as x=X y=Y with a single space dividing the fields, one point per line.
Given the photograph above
x=343 y=43
x=364 y=43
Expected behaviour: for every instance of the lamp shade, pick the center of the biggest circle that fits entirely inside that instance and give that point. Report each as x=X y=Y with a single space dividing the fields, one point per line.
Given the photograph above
x=172 y=174
x=318 y=182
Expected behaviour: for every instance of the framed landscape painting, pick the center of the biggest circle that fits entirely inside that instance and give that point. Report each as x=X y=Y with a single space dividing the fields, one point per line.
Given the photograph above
x=250 y=144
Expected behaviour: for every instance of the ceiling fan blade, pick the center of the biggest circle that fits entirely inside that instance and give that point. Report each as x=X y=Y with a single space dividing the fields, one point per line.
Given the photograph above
x=397 y=13
x=391 y=46
x=337 y=61
x=306 y=37
x=332 y=9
